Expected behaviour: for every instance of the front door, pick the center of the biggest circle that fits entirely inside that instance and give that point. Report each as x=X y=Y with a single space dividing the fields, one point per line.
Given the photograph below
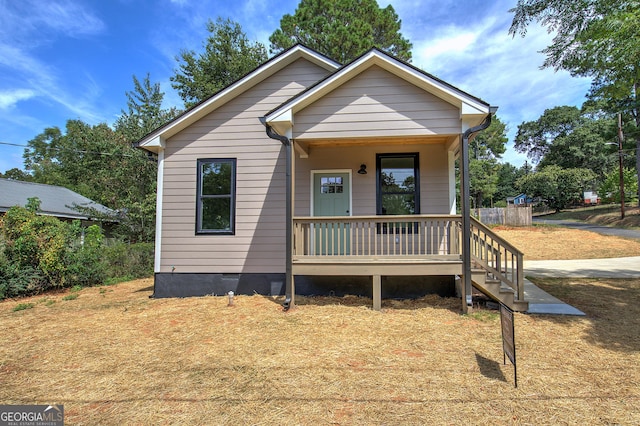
x=332 y=197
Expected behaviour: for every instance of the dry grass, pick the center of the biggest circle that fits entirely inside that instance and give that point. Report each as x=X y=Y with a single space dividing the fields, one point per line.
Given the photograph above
x=114 y=356
x=607 y=215
x=550 y=242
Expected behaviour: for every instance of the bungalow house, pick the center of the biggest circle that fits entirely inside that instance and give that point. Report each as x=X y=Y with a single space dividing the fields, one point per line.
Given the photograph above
x=56 y=201
x=309 y=177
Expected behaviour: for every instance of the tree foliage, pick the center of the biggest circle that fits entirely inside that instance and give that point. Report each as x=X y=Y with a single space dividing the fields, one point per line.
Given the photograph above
x=485 y=151
x=101 y=163
x=342 y=29
x=595 y=38
x=144 y=110
x=609 y=189
x=536 y=137
x=228 y=55
x=559 y=187
x=570 y=138
x=42 y=252
x=508 y=175
x=16 y=174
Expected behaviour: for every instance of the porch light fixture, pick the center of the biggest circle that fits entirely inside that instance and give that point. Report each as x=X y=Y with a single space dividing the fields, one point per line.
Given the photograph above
x=363 y=169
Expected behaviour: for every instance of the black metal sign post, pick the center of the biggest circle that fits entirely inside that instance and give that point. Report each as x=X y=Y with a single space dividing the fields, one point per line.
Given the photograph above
x=508 y=339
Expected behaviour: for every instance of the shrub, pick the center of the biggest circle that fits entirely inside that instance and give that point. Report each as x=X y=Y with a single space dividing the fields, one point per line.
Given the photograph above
x=42 y=252
x=129 y=260
x=86 y=266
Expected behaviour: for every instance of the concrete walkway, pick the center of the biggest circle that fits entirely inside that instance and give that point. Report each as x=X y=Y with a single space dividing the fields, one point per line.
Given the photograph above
x=541 y=302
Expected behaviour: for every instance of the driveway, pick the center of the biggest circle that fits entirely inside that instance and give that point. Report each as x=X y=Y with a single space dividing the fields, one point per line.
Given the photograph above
x=605 y=230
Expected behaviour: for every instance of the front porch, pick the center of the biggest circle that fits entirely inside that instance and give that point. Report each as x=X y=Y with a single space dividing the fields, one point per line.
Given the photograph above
x=407 y=245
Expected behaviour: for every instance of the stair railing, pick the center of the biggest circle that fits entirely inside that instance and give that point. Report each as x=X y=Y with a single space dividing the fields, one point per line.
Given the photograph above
x=498 y=257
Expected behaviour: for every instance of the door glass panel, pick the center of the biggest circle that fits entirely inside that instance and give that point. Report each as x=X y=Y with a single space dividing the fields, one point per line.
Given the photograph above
x=331 y=185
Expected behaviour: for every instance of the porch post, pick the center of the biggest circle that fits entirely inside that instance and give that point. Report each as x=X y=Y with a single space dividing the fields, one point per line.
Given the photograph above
x=377 y=292
x=467 y=301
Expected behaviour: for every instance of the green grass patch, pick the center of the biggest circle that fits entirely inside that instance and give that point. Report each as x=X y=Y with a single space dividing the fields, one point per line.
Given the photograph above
x=23 y=306
x=72 y=296
x=484 y=316
x=117 y=280
x=46 y=301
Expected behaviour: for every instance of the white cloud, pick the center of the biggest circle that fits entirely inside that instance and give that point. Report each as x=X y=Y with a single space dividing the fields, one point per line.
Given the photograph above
x=482 y=59
x=11 y=97
x=66 y=17
x=28 y=25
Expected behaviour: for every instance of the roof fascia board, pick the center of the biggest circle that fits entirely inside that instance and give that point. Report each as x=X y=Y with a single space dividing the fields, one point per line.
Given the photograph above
x=155 y=140
x=465 y=102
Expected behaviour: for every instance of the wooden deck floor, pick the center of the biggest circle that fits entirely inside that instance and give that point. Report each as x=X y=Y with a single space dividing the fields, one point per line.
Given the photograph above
x=377 y=265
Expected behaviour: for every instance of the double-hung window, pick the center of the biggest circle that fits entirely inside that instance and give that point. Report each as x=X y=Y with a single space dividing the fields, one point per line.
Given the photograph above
x=398 y=186
x=215 y=207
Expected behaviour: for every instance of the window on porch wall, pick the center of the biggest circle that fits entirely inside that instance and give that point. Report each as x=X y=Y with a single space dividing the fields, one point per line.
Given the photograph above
x=398 y=190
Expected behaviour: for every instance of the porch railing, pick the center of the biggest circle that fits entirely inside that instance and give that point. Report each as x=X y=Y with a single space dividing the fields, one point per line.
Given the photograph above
x=498 y=257
x=375 y=236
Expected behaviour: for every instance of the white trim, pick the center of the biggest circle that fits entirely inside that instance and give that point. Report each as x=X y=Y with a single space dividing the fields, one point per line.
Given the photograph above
x=313 y=175
x=264 y=71
x=451 y=166
x=159 y=192
x=471 y=109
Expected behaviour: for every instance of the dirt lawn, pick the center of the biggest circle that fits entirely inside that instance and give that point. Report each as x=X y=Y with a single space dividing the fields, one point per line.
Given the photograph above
x=114 y=356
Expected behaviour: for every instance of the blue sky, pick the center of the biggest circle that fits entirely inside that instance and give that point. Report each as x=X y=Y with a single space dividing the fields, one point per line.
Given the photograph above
x=74 y=59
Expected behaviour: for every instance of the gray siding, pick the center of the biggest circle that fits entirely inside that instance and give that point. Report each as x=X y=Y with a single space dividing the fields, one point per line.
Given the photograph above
x=232 y=131
x=376 y=103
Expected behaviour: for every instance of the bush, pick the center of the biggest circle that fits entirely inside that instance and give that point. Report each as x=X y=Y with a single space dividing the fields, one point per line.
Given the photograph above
x=129 y=260
x=38 y=253
x=86 y=266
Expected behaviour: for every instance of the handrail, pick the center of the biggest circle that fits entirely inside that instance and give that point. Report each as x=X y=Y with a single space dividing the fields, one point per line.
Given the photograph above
x=383 y=235
x=378 y=218
x=498 y=257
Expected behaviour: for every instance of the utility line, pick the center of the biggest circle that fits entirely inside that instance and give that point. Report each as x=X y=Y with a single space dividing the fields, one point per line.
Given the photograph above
x=70 y=150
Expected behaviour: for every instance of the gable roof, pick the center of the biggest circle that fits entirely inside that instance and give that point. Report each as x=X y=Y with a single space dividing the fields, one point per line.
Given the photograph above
x=54 y=200
x=155 y=140
x=473 y=110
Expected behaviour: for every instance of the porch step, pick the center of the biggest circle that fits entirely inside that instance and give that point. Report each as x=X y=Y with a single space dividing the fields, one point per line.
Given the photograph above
x=495 y=290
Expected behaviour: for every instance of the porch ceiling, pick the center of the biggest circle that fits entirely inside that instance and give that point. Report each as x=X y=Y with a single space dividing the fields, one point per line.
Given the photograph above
x=304 y=146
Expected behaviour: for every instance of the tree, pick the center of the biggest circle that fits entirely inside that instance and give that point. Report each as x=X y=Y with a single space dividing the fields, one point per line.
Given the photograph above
x=144 y=110
x=586 y=145
x=609 y=190
x=342 y=29
x=570 y=138
x=228 y=56
x=485 y=150
x=16 y=174
x=99 y=163
x=557 y=186
x=595 y=38
x=535 y=137
x=508 y=174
